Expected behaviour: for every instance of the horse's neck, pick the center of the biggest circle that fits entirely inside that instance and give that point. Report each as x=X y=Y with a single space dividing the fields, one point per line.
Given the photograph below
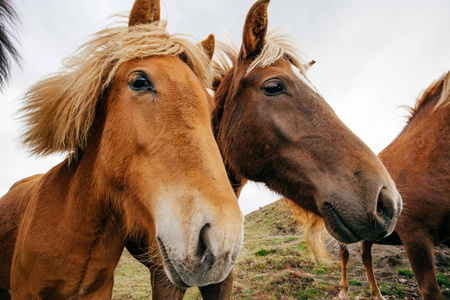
x=78 y=202
x=237 y=182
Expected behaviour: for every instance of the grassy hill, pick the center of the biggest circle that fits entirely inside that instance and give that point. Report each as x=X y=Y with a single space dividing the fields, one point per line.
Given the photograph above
x=276 y=264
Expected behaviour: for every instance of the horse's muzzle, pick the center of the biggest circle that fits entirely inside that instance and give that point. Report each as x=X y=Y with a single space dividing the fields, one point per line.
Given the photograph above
x=353 y=223
x=202 y=264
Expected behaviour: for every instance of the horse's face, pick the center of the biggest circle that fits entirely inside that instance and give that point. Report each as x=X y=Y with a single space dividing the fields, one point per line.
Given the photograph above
x=280 y=131
x=159 y=153
x=276 y=128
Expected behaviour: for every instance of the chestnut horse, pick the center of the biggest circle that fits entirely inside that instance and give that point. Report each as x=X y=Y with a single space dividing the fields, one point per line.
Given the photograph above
x=8 y=51
x=419 y=162
x=272 y=126
x=135 y=120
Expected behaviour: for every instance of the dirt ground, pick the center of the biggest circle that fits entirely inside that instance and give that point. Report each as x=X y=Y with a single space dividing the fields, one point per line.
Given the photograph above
x=389 y=261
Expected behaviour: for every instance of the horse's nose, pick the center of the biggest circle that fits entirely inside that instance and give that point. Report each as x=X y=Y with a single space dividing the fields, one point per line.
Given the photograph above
x=206 y=258
x=206 y=253
x=385 y=205
x=386 y=211
x=211 y=258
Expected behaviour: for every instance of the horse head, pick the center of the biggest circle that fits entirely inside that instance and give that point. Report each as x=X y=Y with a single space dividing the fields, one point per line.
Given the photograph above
x=273 y=126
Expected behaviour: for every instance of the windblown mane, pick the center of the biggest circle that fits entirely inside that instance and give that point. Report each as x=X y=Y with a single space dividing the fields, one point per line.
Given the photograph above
x=442 y=86
x=278 y=43
x=60 y=109
x=7 y=50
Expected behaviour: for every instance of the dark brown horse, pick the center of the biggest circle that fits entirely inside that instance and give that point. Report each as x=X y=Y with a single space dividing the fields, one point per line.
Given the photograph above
x=8 y=51
x=132 y=111
x=272 y=126
x=419 y=162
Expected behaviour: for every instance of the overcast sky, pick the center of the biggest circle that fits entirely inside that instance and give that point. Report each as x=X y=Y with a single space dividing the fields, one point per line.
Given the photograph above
x=372 y=57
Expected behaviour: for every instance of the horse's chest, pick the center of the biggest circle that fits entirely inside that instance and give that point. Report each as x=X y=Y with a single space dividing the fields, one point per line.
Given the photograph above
x=92 y=278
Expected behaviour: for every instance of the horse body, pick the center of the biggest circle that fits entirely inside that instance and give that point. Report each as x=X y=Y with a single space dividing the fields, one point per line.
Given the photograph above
x=12 y=206
x=424 y=141
x=142 y=158
x=419 y=163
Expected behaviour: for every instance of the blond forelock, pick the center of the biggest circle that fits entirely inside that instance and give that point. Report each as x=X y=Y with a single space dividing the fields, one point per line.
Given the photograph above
x=278 y=44
x=59 y=110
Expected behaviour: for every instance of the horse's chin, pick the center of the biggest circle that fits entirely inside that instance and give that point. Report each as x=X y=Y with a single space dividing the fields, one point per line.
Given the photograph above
x=337 y=227
x=185 y=273
x=171 y=272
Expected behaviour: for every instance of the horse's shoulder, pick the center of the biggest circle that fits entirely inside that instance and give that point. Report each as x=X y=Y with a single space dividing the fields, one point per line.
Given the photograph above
x=25 y=182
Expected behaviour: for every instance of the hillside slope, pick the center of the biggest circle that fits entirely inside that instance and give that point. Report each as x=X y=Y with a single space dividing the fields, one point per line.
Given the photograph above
x=276 y=264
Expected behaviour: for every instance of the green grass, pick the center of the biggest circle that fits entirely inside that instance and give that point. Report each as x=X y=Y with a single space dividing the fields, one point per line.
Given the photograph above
x=264 y=252
x=292 y=238
x=406 y=272
x=355 y=282
x=391 y=290
x=443 y=279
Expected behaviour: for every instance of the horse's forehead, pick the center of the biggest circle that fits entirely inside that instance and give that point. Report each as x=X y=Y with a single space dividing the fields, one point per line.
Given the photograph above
x=162 y=70
x=281 y=66
x=171 y=77
x=164 y=64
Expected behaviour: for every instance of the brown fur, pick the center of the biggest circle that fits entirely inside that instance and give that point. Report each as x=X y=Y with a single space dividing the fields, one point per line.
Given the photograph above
x=233 y=115
x=293 y=142
x=146 y=150
x=144 y=12
x=208 y=46
x=255 y=29
x=418 y=160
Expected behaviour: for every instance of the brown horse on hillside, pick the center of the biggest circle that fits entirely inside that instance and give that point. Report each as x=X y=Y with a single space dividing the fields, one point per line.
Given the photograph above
x=8 y=51
x=419 y=162
x=272 y=126
x=132 y=111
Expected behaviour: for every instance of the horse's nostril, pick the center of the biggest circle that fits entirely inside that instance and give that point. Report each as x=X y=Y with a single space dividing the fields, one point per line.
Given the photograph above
x=380 y=205
x=203 y=243
x=203 y=252
x=385 y=205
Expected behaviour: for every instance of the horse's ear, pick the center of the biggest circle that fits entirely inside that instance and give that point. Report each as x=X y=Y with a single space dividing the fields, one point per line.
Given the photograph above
x=255 y=29
x=208 y=45
x=144 y=12
x=309 y=65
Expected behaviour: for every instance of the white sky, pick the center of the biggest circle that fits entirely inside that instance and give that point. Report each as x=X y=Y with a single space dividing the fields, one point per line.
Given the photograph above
x=372 y=57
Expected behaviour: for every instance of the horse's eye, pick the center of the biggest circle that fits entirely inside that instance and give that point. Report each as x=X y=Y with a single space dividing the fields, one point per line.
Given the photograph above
x=273 y=88
x=140 y=83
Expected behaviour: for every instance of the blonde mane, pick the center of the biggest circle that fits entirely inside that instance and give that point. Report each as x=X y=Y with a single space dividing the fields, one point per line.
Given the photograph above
x=278 y=43
x=441 y=85
x=59 y=110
